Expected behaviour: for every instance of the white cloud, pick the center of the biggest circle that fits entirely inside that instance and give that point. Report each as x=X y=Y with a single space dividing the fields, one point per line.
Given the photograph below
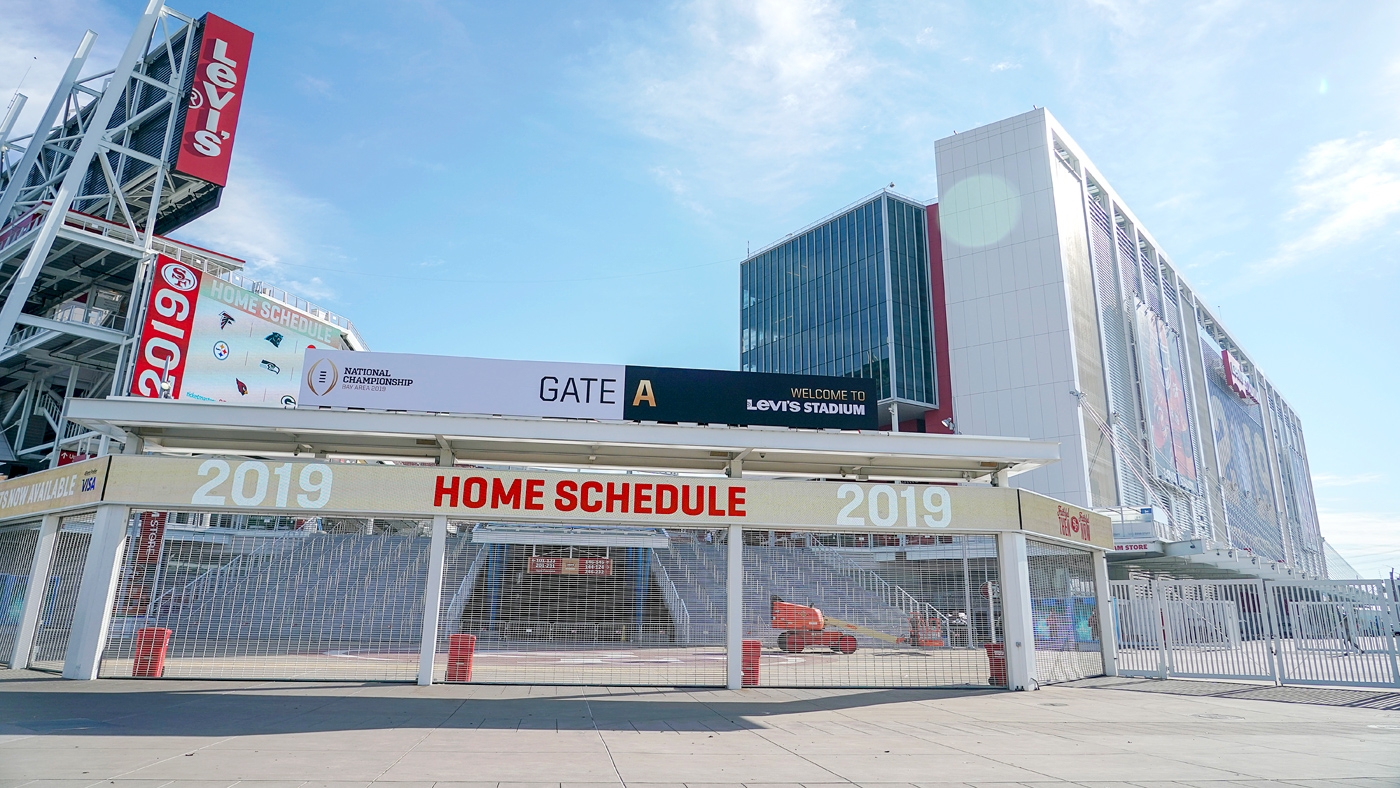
x=1370 y=541
x=1004 y=65
x=1345 y=190
x=269 y=223
x=754 y=93
x=1350 y=480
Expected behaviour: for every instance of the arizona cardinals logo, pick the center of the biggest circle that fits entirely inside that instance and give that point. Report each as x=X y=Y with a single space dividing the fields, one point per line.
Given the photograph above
x=224 y=319
x=242 y=387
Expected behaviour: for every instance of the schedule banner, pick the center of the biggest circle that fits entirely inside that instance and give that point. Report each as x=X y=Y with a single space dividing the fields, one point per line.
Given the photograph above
x=305 y=489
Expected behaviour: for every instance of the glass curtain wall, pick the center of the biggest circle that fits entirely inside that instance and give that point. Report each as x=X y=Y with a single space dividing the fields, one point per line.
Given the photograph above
x=819 y=303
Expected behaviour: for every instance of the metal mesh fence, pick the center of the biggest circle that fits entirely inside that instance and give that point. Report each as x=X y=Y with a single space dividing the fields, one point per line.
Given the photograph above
x=870 y=610
x=61 y=593
x=273 y=597
x=1064 y=613
x=563 y=605
x=17 y=545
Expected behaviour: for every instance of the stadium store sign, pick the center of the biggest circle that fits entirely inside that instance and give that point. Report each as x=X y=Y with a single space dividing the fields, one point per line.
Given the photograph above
x=309 y=489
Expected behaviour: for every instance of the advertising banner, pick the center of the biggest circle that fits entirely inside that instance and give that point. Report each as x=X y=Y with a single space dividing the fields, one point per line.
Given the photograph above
x=138 y=585
x=1243 y=455
x=165 y=333
x=249 y=349
x=450 y=384
x=304 y=489
x=743 y=398
x=1164 y=392
x=72 y=485
x=214 y=100
x=218 y=342
x=1235 y=379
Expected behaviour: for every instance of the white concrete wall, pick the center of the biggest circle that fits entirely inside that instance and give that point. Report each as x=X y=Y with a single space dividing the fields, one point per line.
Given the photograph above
x=1008 y=319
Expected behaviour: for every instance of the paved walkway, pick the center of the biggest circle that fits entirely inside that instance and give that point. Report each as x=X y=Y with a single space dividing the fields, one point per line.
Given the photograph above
x=135 y=734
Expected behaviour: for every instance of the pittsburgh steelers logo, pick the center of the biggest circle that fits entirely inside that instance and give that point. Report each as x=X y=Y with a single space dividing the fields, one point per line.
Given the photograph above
x=221 y=350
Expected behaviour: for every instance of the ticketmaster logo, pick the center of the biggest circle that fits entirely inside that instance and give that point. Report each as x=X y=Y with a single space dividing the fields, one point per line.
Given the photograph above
x=322 y=376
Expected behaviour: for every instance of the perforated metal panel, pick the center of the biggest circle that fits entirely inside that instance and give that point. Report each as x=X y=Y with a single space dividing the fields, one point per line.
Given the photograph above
x=61 y=593
x=896 y=611
x=625 y=606
x=17 y=545
x=1064 y=613
x=273 y=597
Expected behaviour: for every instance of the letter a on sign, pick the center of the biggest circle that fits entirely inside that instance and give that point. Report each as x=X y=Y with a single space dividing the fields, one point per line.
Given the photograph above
x=644 y=394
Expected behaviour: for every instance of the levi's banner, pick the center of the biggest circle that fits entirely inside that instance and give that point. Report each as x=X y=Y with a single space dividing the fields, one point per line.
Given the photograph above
x=609 y=392
x=215 y=96
x=303 y=489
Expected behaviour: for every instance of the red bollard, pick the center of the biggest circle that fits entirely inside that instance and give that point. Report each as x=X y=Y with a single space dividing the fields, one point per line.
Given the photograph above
x=752 y=649
x=460 y=649
x=151 y=643
x=996 y=663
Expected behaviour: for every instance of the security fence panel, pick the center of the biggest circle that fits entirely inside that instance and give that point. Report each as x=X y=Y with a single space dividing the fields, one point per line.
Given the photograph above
x=1340 y=632
x=61 y=593
x=1216 y=629
x=272 y=597
x=556 y=604
x=871 y=610
x=1064 y=613
x=17 y=545
x=1137 y=621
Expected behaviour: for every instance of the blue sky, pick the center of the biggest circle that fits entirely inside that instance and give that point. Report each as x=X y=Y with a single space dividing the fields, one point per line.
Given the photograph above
x=578 y=181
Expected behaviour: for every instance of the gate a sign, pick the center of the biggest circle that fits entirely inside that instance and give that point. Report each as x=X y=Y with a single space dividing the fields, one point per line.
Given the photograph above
x=215 y=96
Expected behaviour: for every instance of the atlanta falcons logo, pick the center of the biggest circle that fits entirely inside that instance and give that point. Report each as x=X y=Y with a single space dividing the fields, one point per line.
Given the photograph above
x=224 y=319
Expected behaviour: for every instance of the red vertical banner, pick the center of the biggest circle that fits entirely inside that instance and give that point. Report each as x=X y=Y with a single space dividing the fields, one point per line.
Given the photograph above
x=145 y=564
x=165 y=334
x=214 y=101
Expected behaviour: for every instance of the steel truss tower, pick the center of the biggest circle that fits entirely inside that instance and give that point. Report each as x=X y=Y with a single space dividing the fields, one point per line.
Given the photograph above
x=85 y=200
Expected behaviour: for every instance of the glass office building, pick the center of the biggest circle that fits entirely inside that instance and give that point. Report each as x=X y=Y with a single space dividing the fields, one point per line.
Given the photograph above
x=848 y=296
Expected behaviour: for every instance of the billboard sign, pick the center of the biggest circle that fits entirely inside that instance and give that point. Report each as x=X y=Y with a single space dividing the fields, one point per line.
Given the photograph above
x=1235 y=378
x=165 y=332
x=608 y=392
x=305 y=489
x=215 y=97
x=708 y=396
x=72 y=485
x=217 y=342
x=1164 y=392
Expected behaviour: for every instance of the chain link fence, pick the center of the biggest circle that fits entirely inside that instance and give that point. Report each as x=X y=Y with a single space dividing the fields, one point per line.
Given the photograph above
x=17 y=546
x=61 y=593
x=1064 y=613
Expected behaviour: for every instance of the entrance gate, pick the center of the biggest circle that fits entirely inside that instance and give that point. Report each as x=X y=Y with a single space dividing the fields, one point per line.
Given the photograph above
x=1332 y=632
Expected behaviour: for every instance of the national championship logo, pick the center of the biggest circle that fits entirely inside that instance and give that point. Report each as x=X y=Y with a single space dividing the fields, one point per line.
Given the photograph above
x=322 y=377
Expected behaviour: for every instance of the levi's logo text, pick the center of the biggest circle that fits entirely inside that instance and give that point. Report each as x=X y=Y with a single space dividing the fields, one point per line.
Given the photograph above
x=591 y=496
x=216 y=94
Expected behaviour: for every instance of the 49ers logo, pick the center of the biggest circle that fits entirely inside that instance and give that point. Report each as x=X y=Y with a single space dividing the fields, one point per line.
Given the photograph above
x=165 y=335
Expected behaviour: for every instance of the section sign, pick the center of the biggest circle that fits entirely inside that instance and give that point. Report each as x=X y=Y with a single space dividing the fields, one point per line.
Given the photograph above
x=214 y=100
x=708 y=396
x=449 y=384
x=452 y=384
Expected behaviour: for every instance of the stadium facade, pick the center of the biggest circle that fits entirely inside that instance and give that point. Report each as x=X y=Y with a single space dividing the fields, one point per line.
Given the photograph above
x=1054 y=315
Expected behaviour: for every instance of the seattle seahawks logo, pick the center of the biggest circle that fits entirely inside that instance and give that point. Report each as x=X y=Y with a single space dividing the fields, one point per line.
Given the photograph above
x=271 y=367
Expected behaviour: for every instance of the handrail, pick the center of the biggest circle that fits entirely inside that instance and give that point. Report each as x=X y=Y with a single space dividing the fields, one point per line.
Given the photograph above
x=679 y=612
x=463 y=593
x=892 y=595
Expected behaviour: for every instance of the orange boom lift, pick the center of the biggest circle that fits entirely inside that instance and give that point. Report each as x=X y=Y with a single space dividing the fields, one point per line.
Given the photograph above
x=805 y=626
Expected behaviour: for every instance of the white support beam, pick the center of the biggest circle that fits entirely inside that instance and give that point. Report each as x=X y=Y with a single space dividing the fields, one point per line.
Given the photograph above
x=93 y=613
x=41 y=131
x=1108 y=625
x=432 y=601
x=1019 y=632
x=734 y=610
x=34 y=592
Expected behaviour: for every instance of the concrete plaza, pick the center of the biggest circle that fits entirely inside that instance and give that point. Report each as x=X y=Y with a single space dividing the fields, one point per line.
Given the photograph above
x=270 y=735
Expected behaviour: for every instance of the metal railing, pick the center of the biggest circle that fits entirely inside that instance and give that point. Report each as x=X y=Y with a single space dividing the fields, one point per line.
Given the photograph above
x=680 y=615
